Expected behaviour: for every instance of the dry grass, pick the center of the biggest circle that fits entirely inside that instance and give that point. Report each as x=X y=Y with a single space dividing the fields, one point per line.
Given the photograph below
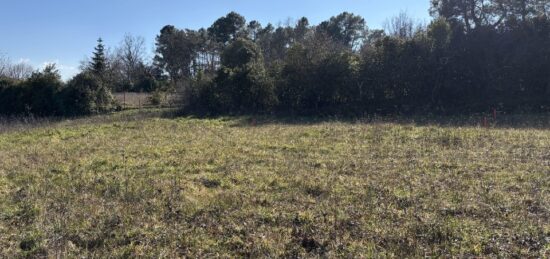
x=18 y=123
x=164 y=187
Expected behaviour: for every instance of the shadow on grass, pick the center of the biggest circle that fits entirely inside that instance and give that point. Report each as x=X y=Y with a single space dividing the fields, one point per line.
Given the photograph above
x=517 y=121
x=508 y=121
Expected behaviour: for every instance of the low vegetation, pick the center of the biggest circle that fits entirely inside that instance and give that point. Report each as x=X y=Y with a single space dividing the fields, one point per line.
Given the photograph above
x=141 y=184
x=145 y=183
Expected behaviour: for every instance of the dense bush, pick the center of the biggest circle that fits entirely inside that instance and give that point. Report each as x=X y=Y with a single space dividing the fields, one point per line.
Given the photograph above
x=339 y=67
x=318 y=81
x=11 y=97
x=86 y=94
x=242 y=83
x=37 y=95
x=44 y=94
x=41 y=93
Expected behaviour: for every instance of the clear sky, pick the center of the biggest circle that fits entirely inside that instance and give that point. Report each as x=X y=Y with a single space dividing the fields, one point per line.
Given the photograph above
x=65 y=31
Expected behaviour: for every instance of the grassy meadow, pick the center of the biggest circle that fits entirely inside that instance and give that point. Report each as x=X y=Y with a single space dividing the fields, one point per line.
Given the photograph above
x=141 y=184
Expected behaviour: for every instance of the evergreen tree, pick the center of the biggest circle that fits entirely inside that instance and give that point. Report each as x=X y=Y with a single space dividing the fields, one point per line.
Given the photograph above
x=99 y=62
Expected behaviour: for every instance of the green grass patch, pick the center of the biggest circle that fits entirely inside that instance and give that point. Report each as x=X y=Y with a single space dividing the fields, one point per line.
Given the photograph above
x=145 y=185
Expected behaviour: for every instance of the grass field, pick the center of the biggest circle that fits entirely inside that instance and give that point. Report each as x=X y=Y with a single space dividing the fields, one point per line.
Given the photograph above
x=139 y=184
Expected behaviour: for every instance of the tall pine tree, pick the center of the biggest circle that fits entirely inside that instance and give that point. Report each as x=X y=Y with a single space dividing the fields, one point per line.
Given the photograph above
x=99 y=62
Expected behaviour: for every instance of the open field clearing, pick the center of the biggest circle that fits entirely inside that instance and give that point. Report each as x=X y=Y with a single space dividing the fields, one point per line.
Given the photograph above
x=135 y=185
x=143 y=100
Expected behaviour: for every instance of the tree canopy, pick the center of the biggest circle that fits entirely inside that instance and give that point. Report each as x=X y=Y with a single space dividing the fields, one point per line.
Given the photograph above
x=474 y=56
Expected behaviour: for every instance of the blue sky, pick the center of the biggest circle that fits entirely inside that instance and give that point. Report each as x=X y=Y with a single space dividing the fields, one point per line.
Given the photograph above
x=65 y=31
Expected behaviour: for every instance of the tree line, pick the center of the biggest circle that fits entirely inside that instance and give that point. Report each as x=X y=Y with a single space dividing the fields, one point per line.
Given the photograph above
x=25 y=91
x=474 y=56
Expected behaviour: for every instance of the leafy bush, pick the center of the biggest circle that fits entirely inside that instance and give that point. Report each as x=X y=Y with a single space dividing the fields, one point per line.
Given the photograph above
x=86 y=94
x=242 y=84
x=38 y=95
x=317 y=81
x=41 y=92
x=156 y=98
x=11 y=95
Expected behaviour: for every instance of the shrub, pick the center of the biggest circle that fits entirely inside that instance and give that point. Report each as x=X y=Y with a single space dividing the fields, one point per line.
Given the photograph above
x=86 y=94
x=41 y=92
x=318 y=80
x=243 y=84
x=11 y=94
x=156 y=98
